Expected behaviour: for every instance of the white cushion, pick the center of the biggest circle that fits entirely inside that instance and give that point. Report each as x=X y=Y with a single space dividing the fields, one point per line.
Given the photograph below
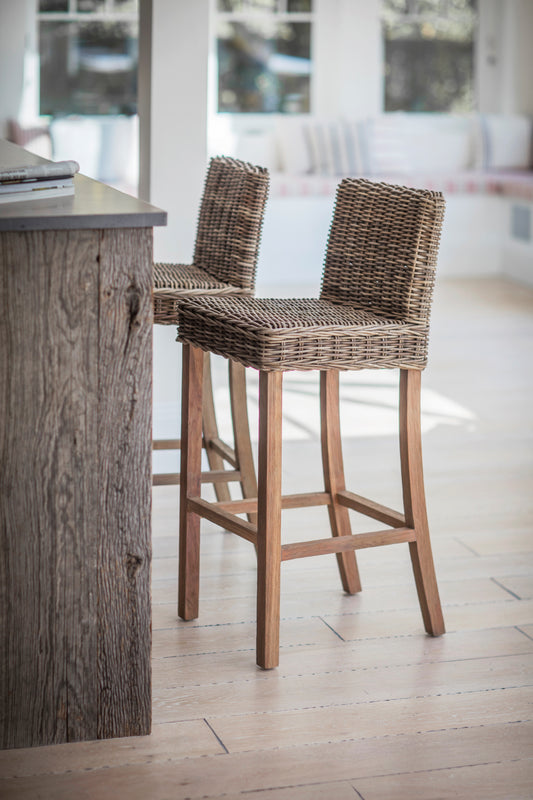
x=292 y=152
x=386 y=145
x=503 y=141
x=439 y=142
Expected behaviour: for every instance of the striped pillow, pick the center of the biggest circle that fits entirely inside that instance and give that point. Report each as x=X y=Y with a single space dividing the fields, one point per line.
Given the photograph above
x=336 y=147
x=387 y=144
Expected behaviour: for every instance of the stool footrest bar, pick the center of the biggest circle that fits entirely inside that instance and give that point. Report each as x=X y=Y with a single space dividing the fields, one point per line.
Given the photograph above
x=228 y=521
x=166 y=444
x=340 y=544
x=370 y=509
x=212 y=476
x=220 y=447
x=304 y=500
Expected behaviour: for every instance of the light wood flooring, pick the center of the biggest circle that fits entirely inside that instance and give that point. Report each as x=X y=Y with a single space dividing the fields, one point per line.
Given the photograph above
x=363 y=704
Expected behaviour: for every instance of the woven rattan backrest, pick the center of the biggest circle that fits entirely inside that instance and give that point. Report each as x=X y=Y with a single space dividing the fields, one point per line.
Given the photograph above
x=382 y=248
x=230 y=221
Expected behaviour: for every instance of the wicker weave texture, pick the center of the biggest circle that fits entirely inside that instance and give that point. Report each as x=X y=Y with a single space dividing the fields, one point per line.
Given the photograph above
x=173 y=282
x=227 y=239
x=382 y=248
x=301 y=334
x=341 y=329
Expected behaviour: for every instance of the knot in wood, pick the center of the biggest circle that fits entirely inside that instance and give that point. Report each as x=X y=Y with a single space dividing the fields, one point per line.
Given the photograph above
x=133 y=565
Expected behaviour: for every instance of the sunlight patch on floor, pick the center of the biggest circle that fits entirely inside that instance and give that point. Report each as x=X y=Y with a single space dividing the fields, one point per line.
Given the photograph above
x=369 y=407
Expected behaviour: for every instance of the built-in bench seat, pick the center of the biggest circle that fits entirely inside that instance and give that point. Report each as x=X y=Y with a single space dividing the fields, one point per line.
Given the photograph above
x=481 y=162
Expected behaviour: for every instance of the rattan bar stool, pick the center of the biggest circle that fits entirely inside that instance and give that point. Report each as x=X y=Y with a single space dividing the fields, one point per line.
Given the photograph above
x=224 y=263
x=373 y=313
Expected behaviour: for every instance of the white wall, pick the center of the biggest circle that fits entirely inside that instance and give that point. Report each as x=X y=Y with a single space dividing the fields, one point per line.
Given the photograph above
x=518 y=49
x=18 y=65
x=173 y=87
x=504 y=61
x=348 y=59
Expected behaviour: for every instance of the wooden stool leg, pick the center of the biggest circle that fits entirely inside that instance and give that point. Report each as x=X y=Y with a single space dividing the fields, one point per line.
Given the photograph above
x=241 y=431
x=334 y=475
x=210 y=431
x=269 y=520
x=415 y=501
x=190 y=486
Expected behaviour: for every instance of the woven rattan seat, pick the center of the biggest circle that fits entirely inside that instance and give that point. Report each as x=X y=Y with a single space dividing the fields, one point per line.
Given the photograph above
x=372 y=313
x=224 y=263
x=302 y=334
x=188 y=280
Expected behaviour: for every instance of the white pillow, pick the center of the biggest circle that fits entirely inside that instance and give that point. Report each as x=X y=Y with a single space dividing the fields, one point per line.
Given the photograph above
x=387 y=145
x=439 y=142
x=503 y=141
x=292 y=151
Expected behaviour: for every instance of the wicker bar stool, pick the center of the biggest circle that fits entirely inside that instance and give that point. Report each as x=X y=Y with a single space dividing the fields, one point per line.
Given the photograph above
x=373 y=313
x=224 y=263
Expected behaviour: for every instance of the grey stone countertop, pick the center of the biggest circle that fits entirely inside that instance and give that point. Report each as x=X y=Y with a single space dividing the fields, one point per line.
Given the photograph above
x=93 y=204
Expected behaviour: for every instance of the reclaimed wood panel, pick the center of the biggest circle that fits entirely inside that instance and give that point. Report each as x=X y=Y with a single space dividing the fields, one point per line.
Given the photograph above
x=75 y=395
x=125 y=441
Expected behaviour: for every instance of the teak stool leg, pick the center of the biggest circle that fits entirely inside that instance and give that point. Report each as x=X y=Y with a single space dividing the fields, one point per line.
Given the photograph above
x=190 y=486
x=210 y=431
x=334 y=475
x=269 y=520
x=415 y=501
x=241 y=431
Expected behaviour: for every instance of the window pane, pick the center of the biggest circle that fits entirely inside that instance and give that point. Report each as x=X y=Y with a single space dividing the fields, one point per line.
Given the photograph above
x=429 y=76
x=53 y=5
x=264 y=67
x=429 y=54
x=299 y=5
x=90 y=6
x=126 y=6
x=88 y=67
x=248 y=5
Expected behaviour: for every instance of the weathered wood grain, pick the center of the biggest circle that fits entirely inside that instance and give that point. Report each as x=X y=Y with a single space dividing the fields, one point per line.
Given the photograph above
x=75 y=362
x=125 y=441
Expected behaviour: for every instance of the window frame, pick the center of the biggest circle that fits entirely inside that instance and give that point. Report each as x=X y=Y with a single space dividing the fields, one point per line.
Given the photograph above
x=73 y=15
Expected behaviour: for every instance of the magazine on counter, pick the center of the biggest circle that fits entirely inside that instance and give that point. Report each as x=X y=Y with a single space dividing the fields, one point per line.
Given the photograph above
x=36 y=186
x=36 y=172
x=38 y=182
x=37 y=194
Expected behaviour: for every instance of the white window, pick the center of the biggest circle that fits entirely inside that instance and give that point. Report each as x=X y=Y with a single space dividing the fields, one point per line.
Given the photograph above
x=429 y=54
x=264 y=58
x=88 y=56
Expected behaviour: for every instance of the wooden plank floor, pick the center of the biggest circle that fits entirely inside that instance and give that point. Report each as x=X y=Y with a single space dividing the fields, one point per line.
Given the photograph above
x=363 y=704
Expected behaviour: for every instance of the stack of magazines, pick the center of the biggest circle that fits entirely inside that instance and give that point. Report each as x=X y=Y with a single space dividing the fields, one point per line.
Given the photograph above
x=41 y=181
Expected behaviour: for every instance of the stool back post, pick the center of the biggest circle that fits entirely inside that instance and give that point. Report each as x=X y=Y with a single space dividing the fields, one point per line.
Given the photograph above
x=414 y=502
x=333 y=470
x=230 y=221
x=191 y=455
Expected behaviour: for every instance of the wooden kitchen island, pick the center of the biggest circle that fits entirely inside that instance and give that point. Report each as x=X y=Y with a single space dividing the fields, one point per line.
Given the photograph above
x=75 y=464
